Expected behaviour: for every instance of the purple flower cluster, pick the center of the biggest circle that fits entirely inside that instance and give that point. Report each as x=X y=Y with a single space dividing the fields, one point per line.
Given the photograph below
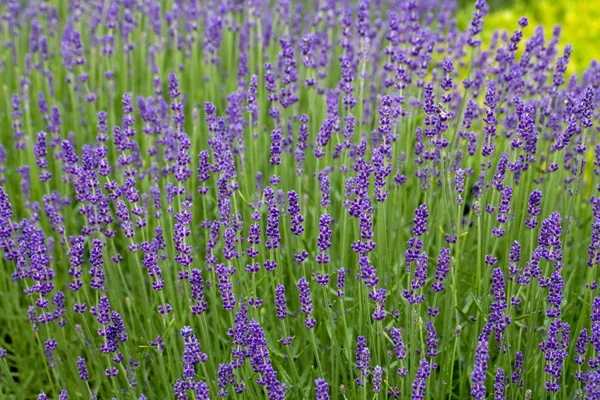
x=363 y=360
x=306 y=302
x=479 y=371
x=321 y=389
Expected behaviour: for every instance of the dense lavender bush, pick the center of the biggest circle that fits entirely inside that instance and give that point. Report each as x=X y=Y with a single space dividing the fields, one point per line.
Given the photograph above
x=259 y=199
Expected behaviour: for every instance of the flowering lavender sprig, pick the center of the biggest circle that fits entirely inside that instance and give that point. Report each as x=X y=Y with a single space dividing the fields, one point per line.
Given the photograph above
x=377 y=378
x=415 y=243
x=82 y=369
x=414 y=295
x=497 y=317
x=97 y=261
x=225 y=286
x=261 y=363
x=477 y=22
x=420 y=383
x=324 y=239
x=535 y=199
x=276 y=148
x=518 y=367
x=325 y=188
x=191 y=353
x=272 y=231
x=399 y=348
x=554 y=349
x=253 y=239
x=321 y=389
x=40 y=157
x=197 y=288
x=112 y=329
x=459 y=184
x=296 y=218
x=594 y=248
x=379 y=296
x=478 y=375
x=491 y=121
x=341 y=279
x=150 y=261
x=181 y=231
x=499 y=385
x=432 y=343
x=580 y=350
x=363 y=360
x=443 y=267
x=306 y=302
x=280 y=302
x=203 y=171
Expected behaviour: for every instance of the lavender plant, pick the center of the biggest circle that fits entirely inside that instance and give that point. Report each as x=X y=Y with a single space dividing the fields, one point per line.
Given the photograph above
x=293 y=200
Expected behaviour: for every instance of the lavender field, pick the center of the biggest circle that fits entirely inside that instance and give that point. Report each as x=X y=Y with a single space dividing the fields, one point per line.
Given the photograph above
x=274 y=199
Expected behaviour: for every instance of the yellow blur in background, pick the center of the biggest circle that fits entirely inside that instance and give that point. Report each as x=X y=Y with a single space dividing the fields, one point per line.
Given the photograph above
x=580 y=21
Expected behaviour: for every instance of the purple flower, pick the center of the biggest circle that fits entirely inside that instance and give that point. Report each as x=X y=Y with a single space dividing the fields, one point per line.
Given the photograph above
x=324 y=239
x=420 y=221
x=296 y=219
x=561 y=67
x=443 y=267
x=306 y=302
x=113 y=329
x=477 y=22
x=499 y=385
x=225 y=286
x=432 y=342
x=581 y=347
x=535 y=199
x=459 y=184
x=479 y=370
x=225 y=378
x=82 y=369
x=497 y=318
x=420 y=382
x=276 y=148
x=399 y=348
x=191 y=353
x=325 y=188
x=500 y=172
x=202 y=392
x=363 y=360
x=523 y=22
x=555 y=295
x=362 y=18
x=280 y=303
x=40 y=156
x=321 y=389
x=341 y=279
x=272 y=231
x=379 y=296
x=594 y=248
x=415 y=295
x=197 y=288
x=490 y=120
x=518 y=368
x=203 y=171
x=554 y=347
x=377 y=378
x=261 y=363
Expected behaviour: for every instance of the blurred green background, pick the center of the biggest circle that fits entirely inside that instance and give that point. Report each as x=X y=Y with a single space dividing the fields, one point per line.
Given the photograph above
x=580 y=20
